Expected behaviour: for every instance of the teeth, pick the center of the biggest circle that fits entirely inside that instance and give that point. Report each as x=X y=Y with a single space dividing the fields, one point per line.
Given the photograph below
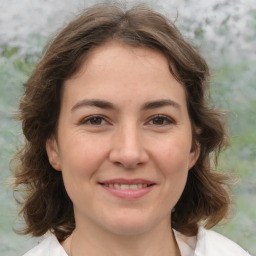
x=126 y=186
x=133 y=187
x=117 y=186
x=140 y=186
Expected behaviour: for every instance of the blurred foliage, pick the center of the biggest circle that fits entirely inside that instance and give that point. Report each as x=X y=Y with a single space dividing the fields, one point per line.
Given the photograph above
x=13 y=72
x=234 y=89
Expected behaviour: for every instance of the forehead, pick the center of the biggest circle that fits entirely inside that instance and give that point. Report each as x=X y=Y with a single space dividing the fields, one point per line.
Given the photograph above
x=118 y=69
x=112 y=51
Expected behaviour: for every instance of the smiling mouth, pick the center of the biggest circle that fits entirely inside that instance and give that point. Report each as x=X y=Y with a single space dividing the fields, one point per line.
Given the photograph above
x=128 y=189
x=126 y=186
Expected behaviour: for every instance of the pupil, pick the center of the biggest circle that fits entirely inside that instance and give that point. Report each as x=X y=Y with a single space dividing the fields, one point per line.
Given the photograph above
x=158 y=120
x=96 y=120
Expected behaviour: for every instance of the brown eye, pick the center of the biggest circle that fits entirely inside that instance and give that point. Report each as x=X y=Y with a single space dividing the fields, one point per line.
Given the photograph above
x=94 y=120
x=161 y=120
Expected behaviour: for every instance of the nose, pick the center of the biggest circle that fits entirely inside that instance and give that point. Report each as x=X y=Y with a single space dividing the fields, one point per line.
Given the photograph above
x=127 y=148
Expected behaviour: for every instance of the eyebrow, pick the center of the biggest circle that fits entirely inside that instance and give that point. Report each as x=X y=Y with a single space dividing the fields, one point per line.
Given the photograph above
x=108 y=105
x=93 y=103
x=160 y=103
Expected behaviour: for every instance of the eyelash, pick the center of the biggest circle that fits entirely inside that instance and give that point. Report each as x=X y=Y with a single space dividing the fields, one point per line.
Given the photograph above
x=166 y=120
x=90 y=118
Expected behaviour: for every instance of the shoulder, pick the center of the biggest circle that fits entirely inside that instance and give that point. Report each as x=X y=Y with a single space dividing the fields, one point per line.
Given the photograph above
x=207 y=243
x=211 y=243
x=49 y=246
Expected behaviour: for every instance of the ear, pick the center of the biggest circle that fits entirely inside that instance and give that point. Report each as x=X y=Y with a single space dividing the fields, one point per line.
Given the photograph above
x=194 y=155
x=53 y=153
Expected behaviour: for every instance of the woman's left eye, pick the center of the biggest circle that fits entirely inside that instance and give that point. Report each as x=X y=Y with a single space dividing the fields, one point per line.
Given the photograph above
x=160 y=120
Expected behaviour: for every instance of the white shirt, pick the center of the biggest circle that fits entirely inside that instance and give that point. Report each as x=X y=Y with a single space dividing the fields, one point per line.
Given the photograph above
x=205 y=243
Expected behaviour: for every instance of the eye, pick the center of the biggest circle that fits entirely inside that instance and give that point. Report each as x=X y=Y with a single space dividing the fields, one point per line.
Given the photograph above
x=94 y=120
x=161 y=120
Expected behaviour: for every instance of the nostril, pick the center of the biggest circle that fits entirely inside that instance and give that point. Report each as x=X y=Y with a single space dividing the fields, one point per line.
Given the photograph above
x=128 y=157
x=118 y=163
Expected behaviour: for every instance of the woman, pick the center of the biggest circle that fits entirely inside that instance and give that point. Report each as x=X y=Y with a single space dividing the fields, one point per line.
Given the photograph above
x=119 y=134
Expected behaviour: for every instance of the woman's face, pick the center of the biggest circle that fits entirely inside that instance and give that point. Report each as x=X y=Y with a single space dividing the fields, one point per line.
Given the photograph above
x=124 y=140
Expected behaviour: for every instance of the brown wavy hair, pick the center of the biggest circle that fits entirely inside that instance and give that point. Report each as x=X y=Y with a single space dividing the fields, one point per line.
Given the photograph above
x=46 y=205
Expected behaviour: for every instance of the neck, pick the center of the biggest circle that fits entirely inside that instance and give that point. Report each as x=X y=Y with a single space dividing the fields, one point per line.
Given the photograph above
x=159 y=241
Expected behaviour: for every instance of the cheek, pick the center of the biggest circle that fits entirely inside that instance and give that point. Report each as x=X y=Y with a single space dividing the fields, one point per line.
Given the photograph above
x=173 y=161
x=174 y=154
x=82 y=154
x=80 y=162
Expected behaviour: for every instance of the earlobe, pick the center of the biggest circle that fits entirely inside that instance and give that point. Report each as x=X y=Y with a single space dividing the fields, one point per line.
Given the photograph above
x=194 y=155
x=53 y=153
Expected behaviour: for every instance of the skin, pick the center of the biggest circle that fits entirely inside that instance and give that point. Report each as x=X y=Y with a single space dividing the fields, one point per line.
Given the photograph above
x=131 y=140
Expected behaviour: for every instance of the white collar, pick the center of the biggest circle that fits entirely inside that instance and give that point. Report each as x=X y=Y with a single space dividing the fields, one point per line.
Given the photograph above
x=207 y=242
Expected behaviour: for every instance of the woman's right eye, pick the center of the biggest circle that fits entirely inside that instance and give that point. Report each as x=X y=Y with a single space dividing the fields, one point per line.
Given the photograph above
x=94 y=120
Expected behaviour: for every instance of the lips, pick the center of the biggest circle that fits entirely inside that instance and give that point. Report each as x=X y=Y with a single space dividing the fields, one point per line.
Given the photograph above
x=128 y=189
x=127 y=183
x=125 y=186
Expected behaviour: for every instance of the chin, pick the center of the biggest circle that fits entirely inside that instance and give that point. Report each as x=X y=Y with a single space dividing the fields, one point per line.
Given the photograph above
x=132 y=225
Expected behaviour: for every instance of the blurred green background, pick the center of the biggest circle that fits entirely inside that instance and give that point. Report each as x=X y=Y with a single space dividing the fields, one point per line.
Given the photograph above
x=225 y=33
